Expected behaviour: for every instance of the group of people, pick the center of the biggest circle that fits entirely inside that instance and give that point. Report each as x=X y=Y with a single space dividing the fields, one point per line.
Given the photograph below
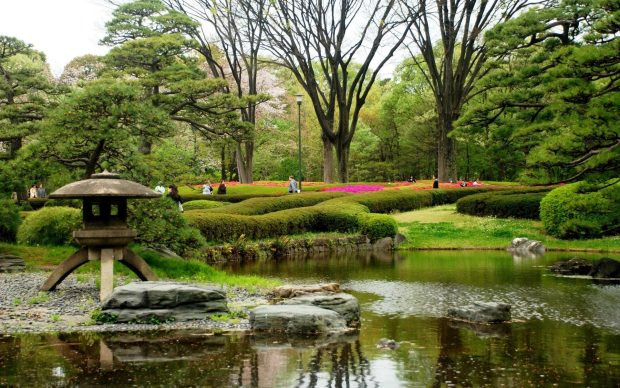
x=173 y=191
x=461 y=182
x=207 y=189
x=37 y=191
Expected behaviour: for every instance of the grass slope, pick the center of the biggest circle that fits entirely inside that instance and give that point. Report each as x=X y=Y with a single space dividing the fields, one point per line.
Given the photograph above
x=442 y=227
x=46 y=258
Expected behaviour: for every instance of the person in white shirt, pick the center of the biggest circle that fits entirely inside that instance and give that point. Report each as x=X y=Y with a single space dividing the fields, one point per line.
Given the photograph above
x=160 y=188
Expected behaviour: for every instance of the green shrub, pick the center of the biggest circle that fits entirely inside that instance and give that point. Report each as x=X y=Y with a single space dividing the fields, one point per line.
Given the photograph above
x=234 y=198
x=444 y=197
x=202 y=204
x=50 y=226
x=505 y=204
x=229 y=227
x=394 y=200
x=582 y=210
x=264 y=205
x=75 y=203
x=9 y=220
x=159 y=223
x=377 y=226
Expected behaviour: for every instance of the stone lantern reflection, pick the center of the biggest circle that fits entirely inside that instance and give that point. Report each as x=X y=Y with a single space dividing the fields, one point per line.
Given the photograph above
x=105 y=233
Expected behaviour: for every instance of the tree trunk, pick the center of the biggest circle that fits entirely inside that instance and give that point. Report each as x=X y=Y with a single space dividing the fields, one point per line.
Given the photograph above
x=223 y=163
x=232 y=167
x=14 y=146
x=328 y=160
x=245 y=161
x=342 y=153
x=94 y=159
x=446 y=150
x=145 y=146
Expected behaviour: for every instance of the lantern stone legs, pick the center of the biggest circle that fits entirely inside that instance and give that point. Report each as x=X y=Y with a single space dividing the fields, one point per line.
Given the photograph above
x=107 y=256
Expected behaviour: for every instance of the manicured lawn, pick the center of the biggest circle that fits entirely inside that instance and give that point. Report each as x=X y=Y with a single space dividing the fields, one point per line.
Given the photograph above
x=442 y=227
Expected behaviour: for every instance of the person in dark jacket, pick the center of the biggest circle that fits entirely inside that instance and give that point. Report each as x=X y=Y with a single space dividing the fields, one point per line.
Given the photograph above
x=173 y=193
x=435 y=182
x=221 y=189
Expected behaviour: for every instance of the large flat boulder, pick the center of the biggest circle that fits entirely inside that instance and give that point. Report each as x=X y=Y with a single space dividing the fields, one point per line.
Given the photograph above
x=296 y=319
x=9 y=264
x=146 y=301
x=344 y=304
x=483 y=312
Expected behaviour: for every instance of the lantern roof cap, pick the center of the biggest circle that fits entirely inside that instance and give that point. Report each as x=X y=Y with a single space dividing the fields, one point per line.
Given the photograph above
x=104 y=185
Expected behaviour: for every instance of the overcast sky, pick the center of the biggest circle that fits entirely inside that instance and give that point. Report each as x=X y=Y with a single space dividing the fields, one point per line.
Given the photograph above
x=62 y=29
x=65 y=29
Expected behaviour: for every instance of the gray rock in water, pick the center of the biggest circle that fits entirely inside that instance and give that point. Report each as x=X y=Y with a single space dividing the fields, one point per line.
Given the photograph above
x=605 y=268
x=573 y=266
x=9 y=263
x=385 y=343
x=141 y=301
x=383 y=244
x=296 y=319
x=526 y=245
x=484 y=312
x=344 y=304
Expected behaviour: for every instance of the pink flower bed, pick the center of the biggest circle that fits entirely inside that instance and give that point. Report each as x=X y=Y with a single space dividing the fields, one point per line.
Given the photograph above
x=355 y=188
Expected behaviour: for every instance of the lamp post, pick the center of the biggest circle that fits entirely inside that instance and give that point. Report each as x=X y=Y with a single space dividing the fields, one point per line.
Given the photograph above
x=298 y=97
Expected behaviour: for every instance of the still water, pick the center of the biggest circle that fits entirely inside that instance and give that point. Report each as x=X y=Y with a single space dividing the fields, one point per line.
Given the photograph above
x=566 y=332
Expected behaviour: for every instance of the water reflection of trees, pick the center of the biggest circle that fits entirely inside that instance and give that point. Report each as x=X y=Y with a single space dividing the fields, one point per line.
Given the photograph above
x=344 y=363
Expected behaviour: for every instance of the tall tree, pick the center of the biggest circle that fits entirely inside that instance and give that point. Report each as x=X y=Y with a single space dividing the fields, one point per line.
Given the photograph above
x=154 y=48
x=25 y=87
x=102 y=122
x=321 y=40
x=558 y=94
x=239 y=36
x=448 y=35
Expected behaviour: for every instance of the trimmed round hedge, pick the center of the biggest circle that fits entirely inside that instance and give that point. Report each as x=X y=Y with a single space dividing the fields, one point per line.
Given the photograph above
x=233 y=198
x=507 y=204
x=202 y=204
x=9 y=220
x=50 y=226
x=264 y=205
x=582 y=210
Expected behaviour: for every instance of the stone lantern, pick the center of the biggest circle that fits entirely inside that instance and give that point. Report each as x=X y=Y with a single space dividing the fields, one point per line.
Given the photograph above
x=105 y=233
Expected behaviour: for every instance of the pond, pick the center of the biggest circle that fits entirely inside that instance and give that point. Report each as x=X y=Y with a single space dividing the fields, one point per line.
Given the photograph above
x=566 y=331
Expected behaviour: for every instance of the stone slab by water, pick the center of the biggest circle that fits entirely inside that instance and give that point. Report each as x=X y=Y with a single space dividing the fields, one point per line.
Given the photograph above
x=164 y=300
x=344 y=304
x=296 y=319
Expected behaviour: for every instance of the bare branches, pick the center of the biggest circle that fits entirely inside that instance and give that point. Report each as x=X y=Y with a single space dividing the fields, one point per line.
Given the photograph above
x=320 y=41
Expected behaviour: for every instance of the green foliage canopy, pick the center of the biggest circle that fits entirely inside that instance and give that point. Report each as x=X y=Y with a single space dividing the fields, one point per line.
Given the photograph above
x=555 y=90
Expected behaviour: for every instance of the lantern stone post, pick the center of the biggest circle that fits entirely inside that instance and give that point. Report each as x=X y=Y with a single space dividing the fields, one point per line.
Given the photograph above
x=105 y=233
